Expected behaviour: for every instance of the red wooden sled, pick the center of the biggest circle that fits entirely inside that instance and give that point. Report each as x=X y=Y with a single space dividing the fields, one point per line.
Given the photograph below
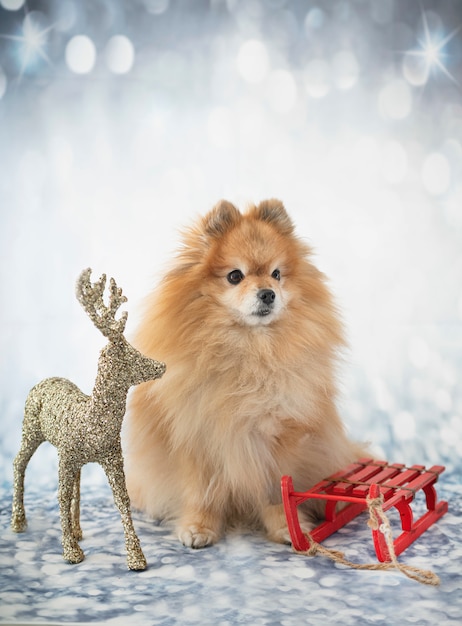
x=352 y=485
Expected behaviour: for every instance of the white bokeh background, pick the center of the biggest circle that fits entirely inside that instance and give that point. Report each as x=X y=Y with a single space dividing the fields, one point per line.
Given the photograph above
x=120 y=121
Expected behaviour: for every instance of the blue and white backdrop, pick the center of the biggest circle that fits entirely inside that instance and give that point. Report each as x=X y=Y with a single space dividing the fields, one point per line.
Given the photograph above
x=120 y=121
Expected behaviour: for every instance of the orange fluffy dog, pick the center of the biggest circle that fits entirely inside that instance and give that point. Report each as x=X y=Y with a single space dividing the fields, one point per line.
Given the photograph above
x=250 y=335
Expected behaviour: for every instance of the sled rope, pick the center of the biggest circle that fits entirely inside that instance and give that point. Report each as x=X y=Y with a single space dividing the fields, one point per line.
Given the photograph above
x=376 y=512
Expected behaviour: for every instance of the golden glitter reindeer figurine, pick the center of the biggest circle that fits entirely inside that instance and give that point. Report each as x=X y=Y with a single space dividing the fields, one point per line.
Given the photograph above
x=86 y=429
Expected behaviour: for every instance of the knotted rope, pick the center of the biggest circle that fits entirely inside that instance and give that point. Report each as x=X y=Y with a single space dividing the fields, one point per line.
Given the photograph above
x=375 y=507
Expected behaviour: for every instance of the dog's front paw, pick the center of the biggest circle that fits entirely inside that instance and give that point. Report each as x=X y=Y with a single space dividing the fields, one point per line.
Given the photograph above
x=282 y=535
x=195 y=536
x=275 y=522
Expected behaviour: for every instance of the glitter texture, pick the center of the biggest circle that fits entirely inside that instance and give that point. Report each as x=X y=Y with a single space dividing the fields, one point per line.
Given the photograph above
x=86 y=429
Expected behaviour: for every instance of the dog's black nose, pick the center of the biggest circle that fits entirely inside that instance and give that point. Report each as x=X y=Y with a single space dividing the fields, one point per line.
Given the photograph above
x=267 y=296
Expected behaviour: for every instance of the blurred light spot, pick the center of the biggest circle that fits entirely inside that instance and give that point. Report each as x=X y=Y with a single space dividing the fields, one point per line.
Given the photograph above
x=418 y=352
x=415 y=69
x=120 y=54
x=394 y=162
x=220 y=127
x=404 y=425
x=253 y=61
x=11 y=5
x=3 y=83
x=431 y=52
x=395 y=100
x=80 y=54
x=157 y=7
x=436 y=174
x=282 y=91
x=314 y=19
x=345 y=69
x=433 y=47
x=317 y=78
x=32 y=40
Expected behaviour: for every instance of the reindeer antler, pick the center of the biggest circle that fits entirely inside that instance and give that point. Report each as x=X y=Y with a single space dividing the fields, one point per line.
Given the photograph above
x=90 y=296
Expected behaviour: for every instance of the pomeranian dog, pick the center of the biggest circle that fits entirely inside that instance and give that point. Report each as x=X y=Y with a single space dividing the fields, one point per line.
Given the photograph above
x=250 y=336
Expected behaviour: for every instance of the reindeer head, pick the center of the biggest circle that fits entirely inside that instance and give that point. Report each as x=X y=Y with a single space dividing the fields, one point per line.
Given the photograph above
x=121 y=359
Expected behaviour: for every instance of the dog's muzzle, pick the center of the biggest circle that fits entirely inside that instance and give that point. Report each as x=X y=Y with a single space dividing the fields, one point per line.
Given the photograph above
x=266 y=299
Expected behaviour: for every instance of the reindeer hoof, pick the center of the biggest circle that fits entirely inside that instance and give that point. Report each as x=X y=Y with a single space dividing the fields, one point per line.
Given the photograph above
x=73 y=554
x=136 y=562
x=18 y=523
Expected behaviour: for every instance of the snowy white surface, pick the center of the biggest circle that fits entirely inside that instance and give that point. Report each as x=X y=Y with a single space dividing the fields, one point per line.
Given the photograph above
x=243 y=579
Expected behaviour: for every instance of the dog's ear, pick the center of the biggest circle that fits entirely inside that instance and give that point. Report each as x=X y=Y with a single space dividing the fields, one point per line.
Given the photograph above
x=273 y=212
x=221 y=218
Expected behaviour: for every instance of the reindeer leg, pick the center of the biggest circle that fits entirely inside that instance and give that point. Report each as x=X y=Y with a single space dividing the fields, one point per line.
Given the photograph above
x=29 y=444
x=114 y=468
x=75 y=508
x=68 y=473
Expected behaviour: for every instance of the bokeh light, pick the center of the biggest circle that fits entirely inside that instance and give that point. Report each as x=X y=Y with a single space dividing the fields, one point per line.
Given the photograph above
x=252 y=61
x=120 y=54
x=80 y=54
x=12 y=5
x=317 y=78
x=314 y=20
x=34 y=37
x=345 y=69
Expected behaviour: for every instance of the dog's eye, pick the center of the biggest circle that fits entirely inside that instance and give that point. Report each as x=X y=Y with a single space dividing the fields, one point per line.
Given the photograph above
x=235 y=277
x=276 y=275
